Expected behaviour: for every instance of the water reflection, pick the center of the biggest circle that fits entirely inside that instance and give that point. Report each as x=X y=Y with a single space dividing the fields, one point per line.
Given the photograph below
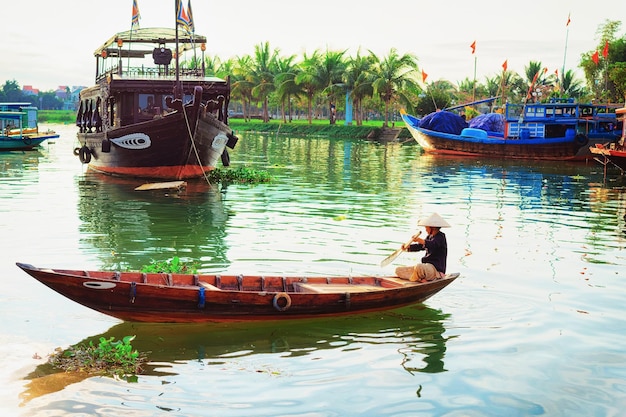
x=132 y=227
x=416 y=333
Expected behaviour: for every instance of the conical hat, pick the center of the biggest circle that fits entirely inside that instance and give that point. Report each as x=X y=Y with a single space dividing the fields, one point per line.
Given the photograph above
x=434 y=220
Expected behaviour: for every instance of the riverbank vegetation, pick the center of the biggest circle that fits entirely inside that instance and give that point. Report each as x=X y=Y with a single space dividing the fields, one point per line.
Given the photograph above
x=331 y=86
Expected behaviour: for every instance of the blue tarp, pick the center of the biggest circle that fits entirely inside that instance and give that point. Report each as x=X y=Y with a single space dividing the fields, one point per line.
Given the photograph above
x=443 y=121
x=491 y=122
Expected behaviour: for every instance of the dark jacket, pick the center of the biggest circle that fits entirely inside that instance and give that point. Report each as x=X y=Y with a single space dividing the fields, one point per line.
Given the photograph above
x=436 y=250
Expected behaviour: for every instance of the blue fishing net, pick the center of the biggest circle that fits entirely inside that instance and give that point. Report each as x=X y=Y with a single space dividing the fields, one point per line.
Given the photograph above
x=443 y=121
x=491 y=122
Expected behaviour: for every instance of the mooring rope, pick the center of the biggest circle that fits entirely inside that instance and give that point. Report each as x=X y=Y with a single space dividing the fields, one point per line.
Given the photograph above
x=193 y=143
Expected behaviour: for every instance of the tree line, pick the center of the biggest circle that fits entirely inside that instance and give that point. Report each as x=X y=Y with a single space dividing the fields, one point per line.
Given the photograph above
x=12 y=93
x=316 y=84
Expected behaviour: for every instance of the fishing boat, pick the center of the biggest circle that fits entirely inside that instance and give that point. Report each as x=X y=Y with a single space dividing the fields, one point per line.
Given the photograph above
x=556 y=130
x=163 y=297
x=613 y=153
x=149 y=115
x=19 y=127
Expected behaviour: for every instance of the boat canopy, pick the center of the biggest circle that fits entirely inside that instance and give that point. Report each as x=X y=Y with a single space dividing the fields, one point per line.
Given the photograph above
x=151 y=36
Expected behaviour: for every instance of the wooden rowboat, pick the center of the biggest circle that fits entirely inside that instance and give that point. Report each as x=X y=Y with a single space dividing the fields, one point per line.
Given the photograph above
x=161 y=297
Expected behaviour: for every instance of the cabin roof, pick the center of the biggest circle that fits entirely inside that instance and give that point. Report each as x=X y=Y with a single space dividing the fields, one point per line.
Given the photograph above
x=153 y=36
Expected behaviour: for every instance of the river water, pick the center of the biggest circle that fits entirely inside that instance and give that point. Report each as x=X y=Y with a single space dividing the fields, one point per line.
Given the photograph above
x=534 y=326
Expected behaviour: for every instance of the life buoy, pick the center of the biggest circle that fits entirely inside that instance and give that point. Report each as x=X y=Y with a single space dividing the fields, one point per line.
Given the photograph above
x=84 y=154
x=581 y=139
x=278 y=300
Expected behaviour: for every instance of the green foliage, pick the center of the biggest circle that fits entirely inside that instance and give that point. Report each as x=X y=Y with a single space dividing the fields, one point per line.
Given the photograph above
x=243 y=175
x=173 y=266
x=108 y=357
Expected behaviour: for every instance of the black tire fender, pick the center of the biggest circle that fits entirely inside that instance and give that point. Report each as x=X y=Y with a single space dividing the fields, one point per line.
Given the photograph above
x=84 y=154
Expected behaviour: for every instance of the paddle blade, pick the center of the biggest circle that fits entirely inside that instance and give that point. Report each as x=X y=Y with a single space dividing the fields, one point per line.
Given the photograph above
x=389 y=259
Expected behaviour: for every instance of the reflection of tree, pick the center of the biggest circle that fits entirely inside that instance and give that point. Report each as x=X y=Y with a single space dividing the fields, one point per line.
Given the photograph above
x=416 y=333
x=124 y=222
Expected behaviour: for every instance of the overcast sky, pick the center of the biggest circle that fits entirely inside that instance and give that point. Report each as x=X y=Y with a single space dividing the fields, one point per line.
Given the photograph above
x=50 y=43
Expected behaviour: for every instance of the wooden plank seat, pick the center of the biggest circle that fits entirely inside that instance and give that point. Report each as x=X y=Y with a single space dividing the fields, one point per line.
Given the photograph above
x=334 y=288
x=208 y=286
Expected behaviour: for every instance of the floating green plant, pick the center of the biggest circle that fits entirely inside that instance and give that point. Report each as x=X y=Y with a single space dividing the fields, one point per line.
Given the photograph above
x=108 y=357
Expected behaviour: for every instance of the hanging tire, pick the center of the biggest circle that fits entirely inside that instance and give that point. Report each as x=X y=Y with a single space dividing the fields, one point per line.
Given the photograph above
x=282 y=301
x=76 y=151
x=84 y=154
x=581 y=139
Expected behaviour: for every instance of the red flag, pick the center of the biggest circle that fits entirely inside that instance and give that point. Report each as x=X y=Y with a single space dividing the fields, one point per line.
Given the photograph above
x=605 y=51
x=424 y=75
x=473 y=46
x=595 y=57
x=568 y=20
x=505 y=65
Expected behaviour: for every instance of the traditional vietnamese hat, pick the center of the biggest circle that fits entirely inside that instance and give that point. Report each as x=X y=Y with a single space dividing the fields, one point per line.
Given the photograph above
x=434 y=220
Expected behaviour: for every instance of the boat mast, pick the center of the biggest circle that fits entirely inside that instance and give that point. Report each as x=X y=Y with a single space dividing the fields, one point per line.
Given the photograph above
x=178 y=91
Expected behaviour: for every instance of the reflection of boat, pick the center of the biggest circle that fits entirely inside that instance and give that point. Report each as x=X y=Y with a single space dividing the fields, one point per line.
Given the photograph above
x=123 y=223
x=19 y=128
x=547 y=131
x=613 y=153
x=416 y=333
x=133 y=121
x=161 y=297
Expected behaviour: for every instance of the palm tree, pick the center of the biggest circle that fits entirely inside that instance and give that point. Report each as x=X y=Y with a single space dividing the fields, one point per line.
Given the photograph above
x=308 y=79
x=241 y=87
x=330 y=72
x=286 y=86
x=358 y=83
x=394 y=74
x=261 y=75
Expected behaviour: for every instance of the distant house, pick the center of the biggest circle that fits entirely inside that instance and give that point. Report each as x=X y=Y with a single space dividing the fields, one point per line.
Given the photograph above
x=68 y=96
x=30 y=91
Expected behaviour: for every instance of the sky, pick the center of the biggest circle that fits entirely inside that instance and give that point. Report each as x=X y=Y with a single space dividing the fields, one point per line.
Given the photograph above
x=52 y=44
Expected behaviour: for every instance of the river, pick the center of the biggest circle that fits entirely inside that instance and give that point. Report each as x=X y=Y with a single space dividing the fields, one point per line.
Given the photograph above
x=534 y=325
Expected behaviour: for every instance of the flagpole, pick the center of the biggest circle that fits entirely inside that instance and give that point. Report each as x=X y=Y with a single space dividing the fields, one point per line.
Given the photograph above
x=473 y=46
x=564 y=56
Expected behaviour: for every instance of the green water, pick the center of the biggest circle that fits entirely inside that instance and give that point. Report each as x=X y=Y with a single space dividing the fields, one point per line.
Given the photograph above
x=534 y=325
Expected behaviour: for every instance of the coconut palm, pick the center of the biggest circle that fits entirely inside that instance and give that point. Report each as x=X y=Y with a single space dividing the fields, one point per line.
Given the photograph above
x=286 y=86
x=330 y=76
x=309 y=80
x=358 y=83
x=261 y=75
x=241 y=86
x=393 y=76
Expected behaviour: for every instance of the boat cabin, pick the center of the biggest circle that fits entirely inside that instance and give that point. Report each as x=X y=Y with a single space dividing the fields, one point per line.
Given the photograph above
x=136 y=78
x=15 y=118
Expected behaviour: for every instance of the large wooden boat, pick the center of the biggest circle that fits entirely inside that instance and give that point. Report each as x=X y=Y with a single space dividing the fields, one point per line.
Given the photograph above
x=19 y=127
x=146 y=117
x=613 y=153
x=161 y=297
x=558 y=130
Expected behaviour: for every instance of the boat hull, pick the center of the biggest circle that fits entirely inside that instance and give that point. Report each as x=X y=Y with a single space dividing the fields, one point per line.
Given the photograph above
x=607 y=156
x=133 y=296
x=24 y=143
x=492 y=146
x=160 y=148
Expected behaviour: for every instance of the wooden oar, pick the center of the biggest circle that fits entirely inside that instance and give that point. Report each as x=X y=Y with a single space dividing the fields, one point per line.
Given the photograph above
x=389 y=259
